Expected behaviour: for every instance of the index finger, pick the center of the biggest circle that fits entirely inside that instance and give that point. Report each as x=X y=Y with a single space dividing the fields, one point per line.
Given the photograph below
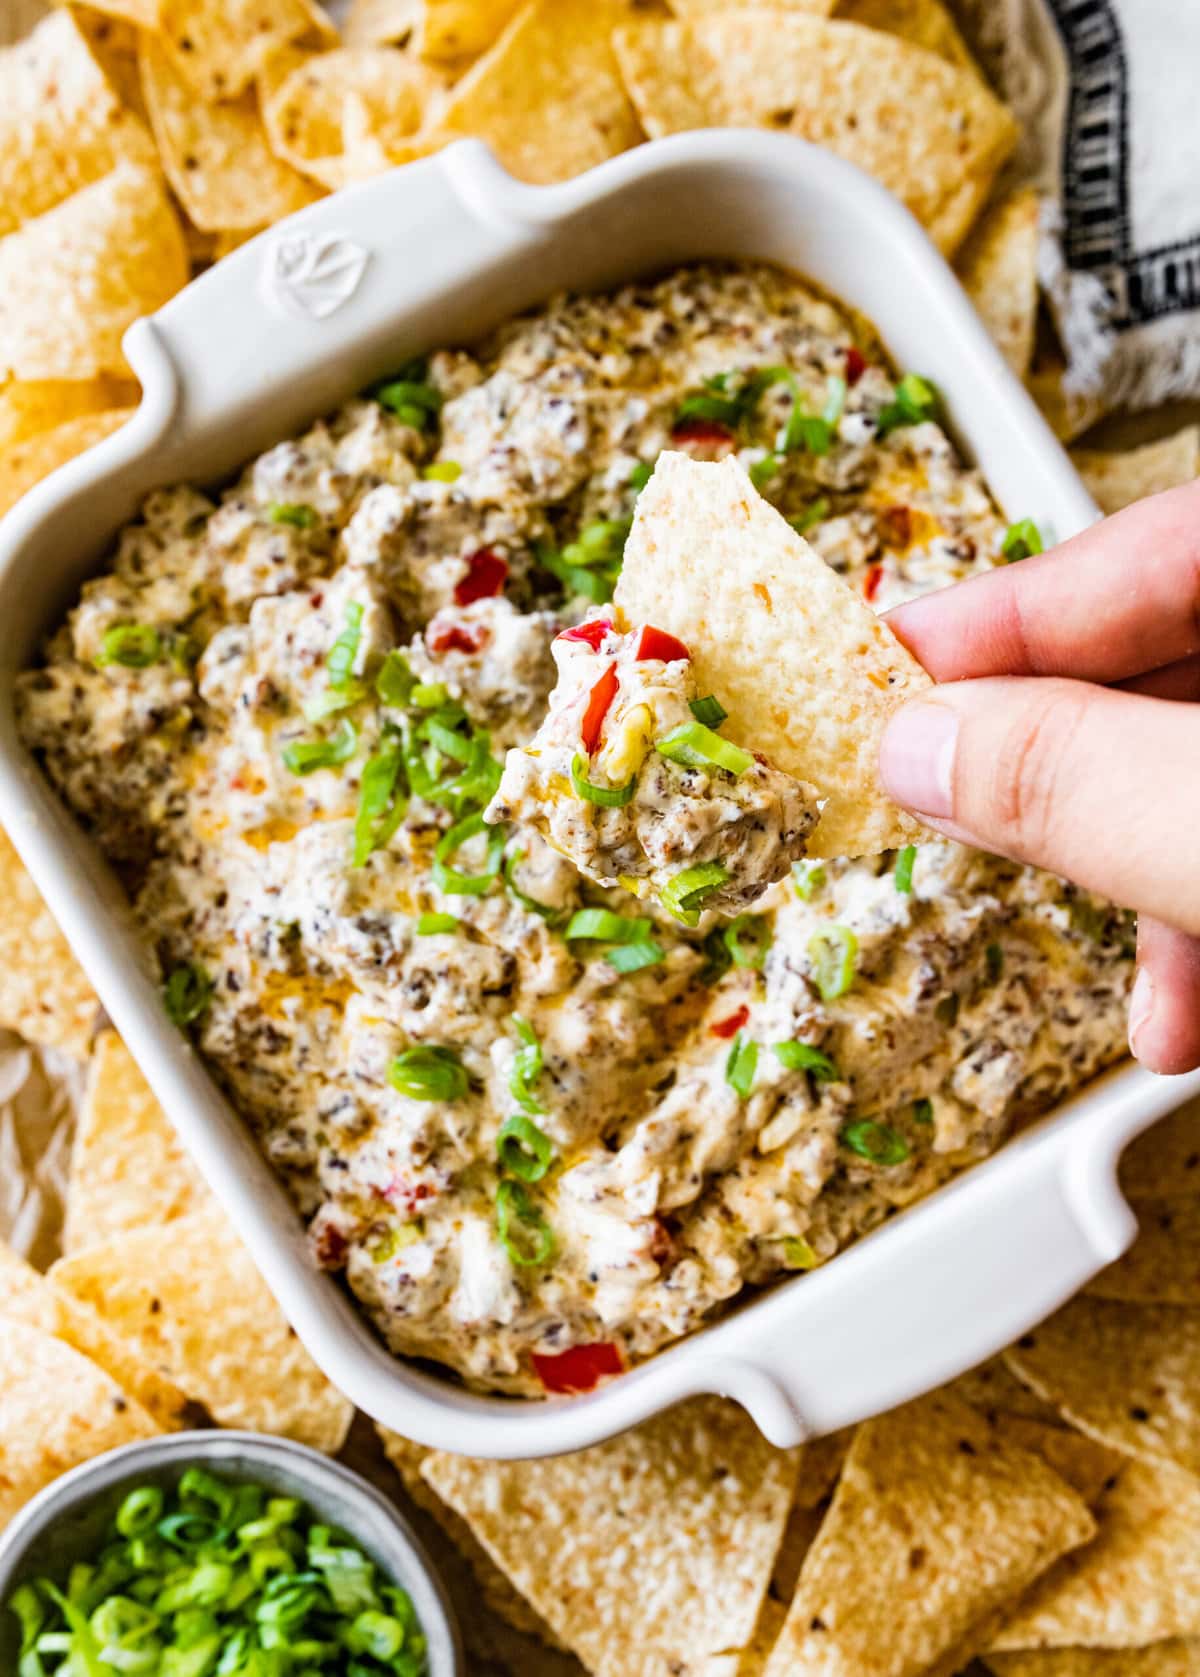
x=1111 y=603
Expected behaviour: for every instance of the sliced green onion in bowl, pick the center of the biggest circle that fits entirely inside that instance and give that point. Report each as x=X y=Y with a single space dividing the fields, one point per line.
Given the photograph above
x=915 y=401
x=695 y=746
x=428 y=695
x=807 y=879
x=1021 y=541
x=684 y=896
x=544 y=911
x=295 y=513
x=603 y=926
x=382 y=802
x=741 y=1065
x=187 y=993
x=448 y=879
x=526 y=1067
x=903 y=876
x=870 y=1139
x=798 y=1254
x=608 y=797
x=442 y=471
x=429 y=1072
x=432 y=925
x=748 y=938
x=802 y=1056
x=833 y=951
x=922 y=1112
x=708 y=710
x=303 y=757
x=522 y=1229
x=640 y=476
x=395 y=682
x=525 y=1150
x=343 y=652
x=135 y=646
x=633 y=957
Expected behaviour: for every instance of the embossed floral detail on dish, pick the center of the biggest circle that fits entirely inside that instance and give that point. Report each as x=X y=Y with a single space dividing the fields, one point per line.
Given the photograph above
x=313 y=274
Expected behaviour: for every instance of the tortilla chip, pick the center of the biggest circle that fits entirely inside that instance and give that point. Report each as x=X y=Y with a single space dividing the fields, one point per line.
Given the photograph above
x=454 y=29
x=925 y=23
x=932 y=133
x=62 y=125
x=191 y=1302
x=377 y=23
x=1089 y=1468
x=408 y=1459
x=655 y=1546
x=998 y=269
x=548 y=97
x=1126 y=1374
x=142 y=14
x=1138 y=1582
x=44 y=995
x=1164 y=1161
x=935 y=1526
x=128 y=1168
x=759 y=598
x=1179 y=1657
x=1163 y=1264
x=28 y=407
x=114 y=45
x=702 y=8
x=994 y=1389
x=217 y=47
x=1067 y=412
x=1116 y=480
x=57 y=1409
x=22 y=465
x=304 y=114
x=217 y=157
x=73 y=280
x=26 y=1296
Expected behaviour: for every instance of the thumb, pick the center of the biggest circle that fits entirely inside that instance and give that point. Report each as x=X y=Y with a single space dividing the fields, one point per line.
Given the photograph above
x=1100 y=786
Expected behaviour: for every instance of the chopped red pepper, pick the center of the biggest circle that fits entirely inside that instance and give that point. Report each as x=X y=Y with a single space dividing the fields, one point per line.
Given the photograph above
x=408 y=1195
x=330 y=1245
x=445 y=634
x=600 y=698
x=702 y=434
x=591 y=633
x=580 y=1369
x=856 y=365
x=487 y=572
x=871 y=582
x=732 y=1025
x=656 y=643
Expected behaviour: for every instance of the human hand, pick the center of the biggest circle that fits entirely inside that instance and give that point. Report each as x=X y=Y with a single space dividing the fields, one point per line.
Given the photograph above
x=1068 y=735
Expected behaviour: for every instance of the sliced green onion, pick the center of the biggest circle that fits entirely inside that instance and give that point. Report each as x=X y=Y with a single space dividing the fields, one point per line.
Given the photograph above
x=812 y=514
x=904 y=869
x=135 y=646
x=741 y=1065
x=709 y=710
x=717 y=957
x=603 y=926
x=442 y=471
x=139 y=1510
x=683 y=896
x=429 y=1073
x=632 y=957
x=395 y=682
x=381 y=804
x=526 y=1067
x=467 y=884
x=608 y=797
x=333 y=700
x=428 y=695
x=187 y=993
x=879 y=1143
x=594 y=585
x=717 y=410
x=922 y=1112
x=306 y=756
x=343 y=652
x=641 y=474
x=1021 y=541
x=835 y=400
x=762 y=471
x=293 y=513
x=525 y=1151
x=798 y=1254
x=413 y=401
x=993 y=957
x=915 y=401
x=802 y=1056
x=696 y=746
x=544 y=911
x=751 y=955
x=430 y=925
x=833 y=951
x=807 y=879
x=516 y=1215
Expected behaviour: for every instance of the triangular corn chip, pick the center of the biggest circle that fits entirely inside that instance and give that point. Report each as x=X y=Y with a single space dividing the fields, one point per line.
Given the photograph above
x=926 y=23
x=1163 y=1264
x=998 y=269
x=1164 y=1162
x=44 y=995
x=1116 y=480
x=808 y=673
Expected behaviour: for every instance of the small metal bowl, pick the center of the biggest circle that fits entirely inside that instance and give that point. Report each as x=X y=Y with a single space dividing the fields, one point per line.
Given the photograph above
x=64 y=1523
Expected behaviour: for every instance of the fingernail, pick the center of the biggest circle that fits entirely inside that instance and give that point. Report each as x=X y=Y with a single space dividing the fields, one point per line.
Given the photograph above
x=1141 y=1006
x=916 y=758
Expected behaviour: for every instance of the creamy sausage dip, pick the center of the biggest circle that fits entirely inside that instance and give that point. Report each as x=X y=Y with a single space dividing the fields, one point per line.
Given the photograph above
x=541 y=1127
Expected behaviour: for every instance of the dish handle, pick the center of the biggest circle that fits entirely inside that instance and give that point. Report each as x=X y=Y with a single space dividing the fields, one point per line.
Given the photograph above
x=936 y=1292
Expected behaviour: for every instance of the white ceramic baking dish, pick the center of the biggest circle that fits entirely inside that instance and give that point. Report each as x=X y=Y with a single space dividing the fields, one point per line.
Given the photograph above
x=291 y=325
